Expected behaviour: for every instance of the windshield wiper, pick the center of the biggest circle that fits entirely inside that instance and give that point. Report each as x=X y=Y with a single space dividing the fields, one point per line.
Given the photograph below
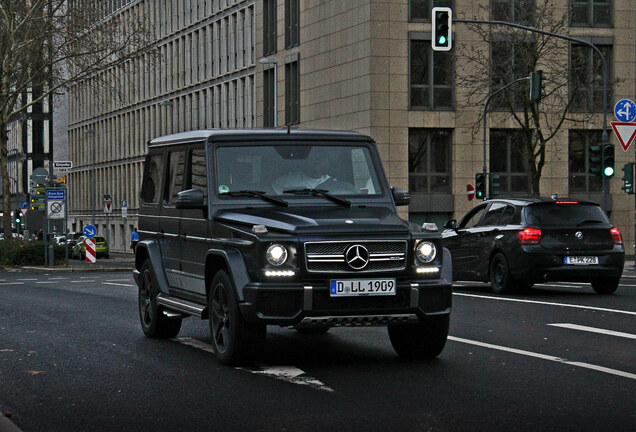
x=258 y=194
x=319 y=192
x=589 y=221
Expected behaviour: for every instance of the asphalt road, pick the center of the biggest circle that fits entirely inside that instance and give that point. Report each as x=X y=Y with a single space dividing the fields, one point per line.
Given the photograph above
x=73 y=358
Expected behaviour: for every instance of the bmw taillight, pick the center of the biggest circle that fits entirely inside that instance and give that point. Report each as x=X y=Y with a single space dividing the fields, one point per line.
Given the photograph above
x=616 y=235
x=530 y=236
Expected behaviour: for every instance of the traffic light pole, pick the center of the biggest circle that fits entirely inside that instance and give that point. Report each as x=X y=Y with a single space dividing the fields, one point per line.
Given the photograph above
x=492 y=95
x=604 y=137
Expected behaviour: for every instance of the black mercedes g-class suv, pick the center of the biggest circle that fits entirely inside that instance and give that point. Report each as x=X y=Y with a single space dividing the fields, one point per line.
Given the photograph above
x=250 y=228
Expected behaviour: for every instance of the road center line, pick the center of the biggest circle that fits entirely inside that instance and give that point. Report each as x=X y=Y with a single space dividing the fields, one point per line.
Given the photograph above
x=595 y=330
x=546 y=303
x=546 y=357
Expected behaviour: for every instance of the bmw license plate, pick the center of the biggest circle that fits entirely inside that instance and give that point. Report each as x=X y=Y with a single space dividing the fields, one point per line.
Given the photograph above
x=581 y=260
x=362 y=287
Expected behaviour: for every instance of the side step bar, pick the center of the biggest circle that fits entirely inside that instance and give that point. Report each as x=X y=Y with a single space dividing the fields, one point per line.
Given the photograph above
x=182 y=306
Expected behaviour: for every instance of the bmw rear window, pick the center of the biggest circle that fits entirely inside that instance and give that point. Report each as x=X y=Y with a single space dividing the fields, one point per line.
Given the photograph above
x=564 y=214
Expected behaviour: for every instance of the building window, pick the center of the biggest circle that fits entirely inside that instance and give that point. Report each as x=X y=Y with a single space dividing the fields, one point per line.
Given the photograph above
x=509 y=159
x=429 y=161
x=292 y=93
x=591 y=13
x=580 y=178
x=420 y=10
x=517 y=11
x=586 y=78
x=269 y=27
x=292 y=23
x=431 y=77
x=269 y=81
x=510 y=61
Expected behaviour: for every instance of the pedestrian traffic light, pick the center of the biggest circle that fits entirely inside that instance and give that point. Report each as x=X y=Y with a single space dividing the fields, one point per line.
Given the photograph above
x=608 y=160
x=480 y=186
x=628 y=178
x=536 y=85
x=494 y=185
x=442 y=23
x=594 y=157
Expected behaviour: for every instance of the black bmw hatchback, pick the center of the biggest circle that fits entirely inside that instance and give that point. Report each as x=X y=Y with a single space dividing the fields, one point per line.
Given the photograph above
x=515 y=243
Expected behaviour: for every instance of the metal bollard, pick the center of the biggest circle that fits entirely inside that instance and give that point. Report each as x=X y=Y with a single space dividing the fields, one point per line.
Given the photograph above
x=51 y=256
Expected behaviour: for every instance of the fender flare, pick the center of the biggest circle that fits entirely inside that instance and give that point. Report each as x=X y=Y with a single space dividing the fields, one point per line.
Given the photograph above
x=235 y=267
x=150 y=250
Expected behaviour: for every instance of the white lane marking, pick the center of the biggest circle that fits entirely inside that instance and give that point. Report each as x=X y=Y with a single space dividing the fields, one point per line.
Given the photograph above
x=594 y=330
x=46 y=282
x=546 y=357
x=195 y=343
x=116 y=284
x=27 y=280
x=289 y=374
x=11 y=283
x=546 y=303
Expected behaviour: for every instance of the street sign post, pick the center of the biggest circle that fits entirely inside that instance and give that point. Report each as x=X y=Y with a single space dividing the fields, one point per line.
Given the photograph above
x=625 y=132
x=470 y=192
x=625 y=110
x=90 y=231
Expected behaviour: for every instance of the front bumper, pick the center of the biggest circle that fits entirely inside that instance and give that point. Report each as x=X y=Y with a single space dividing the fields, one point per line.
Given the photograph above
x=294 y=304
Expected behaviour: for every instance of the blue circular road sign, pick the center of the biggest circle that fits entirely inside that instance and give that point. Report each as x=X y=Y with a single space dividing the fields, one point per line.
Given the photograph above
x=90 y=231
x=625 y=110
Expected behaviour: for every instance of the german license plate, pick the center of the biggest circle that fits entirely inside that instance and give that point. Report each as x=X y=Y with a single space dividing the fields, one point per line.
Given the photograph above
x=362 y=287
x=581 y=260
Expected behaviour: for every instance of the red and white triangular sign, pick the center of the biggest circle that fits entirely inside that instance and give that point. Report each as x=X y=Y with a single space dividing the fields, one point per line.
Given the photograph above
x=625 y=132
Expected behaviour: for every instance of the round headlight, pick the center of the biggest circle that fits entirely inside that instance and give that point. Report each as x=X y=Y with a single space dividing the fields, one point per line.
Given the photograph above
x=276 y=254
x=425 y=251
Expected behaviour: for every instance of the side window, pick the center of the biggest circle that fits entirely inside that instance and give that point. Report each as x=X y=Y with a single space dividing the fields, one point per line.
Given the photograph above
x=174 y=176
x=198 y=173
x=150 y=190
x=493 y=215
x=472 y=219
x=509 y=216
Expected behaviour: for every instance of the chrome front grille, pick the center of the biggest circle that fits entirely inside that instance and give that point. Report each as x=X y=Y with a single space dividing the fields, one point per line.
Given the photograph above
x=329 y=256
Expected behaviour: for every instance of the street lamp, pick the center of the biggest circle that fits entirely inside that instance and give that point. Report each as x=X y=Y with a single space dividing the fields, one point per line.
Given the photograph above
x=93 y=180
x=171 y=105
x=273 y=61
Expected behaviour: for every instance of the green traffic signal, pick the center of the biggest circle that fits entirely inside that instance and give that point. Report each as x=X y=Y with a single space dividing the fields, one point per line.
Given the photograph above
x=594 y=159
x=494 y=185
x=441 y=28
x=628 y=178
x=480 y=186
x=608 y=160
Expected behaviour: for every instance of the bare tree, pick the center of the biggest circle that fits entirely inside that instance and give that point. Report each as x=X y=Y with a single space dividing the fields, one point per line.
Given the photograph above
x=504 y=54
x=46 y=45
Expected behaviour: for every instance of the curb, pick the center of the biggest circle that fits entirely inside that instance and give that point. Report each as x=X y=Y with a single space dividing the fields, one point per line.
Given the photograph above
x=7 y=425
x=75 y=270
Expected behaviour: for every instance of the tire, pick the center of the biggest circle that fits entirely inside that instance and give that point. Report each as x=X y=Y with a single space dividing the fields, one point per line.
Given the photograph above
x=606 y=285
x=501 y=281
x=153 y=322
x=235 y=341
x=423 y=341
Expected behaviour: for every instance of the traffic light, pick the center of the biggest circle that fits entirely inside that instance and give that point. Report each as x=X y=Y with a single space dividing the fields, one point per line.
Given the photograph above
x=608 y=160
x=594 y=157
x=494 y=185
x=536 y=85
x=480 y=186
x=442 y=23
x=18 y=217
x=628 y=178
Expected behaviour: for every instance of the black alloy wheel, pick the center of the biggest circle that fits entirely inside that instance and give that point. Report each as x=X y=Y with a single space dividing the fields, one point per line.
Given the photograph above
x=234 y=340
x=606 y=285
x=153 y=322
x=422 y=341
x=501 y=281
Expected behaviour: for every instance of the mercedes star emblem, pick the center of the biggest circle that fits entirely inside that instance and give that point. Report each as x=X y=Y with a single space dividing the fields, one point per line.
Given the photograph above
x=357 y=257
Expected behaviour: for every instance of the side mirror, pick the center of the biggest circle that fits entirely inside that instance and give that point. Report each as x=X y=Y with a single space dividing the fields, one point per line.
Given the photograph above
x=451 y=224
x=190 y=199
x=401 y=196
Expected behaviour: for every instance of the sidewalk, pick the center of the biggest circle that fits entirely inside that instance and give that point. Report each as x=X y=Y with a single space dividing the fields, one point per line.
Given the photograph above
x=117 y=262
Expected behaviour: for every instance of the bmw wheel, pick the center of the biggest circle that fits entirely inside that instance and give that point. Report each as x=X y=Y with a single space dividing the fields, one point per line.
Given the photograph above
x=235 y=341
x=153 y=322
x=501 y=281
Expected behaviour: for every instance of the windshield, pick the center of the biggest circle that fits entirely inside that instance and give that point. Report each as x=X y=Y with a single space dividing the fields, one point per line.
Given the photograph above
x=550 y=215
x=284 y=170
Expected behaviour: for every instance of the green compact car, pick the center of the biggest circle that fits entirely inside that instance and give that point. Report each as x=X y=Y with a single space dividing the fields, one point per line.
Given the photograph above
x=101 y=248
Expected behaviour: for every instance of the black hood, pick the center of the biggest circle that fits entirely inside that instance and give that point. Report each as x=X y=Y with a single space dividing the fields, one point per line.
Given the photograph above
x=324 y=220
